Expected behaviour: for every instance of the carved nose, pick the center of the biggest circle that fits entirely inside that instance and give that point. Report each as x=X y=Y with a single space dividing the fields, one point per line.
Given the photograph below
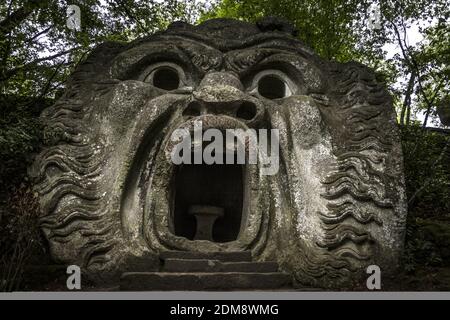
x=221 y=93
x=219 y=88
x=228 y=79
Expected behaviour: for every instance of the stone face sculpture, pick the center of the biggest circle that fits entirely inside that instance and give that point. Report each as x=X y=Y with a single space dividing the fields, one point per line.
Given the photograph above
x=108 y=193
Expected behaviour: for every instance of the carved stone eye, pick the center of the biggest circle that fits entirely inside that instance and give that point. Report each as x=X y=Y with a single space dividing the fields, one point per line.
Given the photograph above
x=166 y=76
x=272 y=84
x=271 y=87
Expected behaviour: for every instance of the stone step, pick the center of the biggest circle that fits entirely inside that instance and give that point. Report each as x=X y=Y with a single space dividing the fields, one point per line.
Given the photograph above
x=204 y=265
x=145 y=263
x=238 y=256
x=222 y=281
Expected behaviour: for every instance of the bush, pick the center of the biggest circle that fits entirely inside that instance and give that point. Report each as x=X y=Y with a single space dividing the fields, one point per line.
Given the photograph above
x=427 y=171
x=20 y=237
x=20 y=138
x=427 y=174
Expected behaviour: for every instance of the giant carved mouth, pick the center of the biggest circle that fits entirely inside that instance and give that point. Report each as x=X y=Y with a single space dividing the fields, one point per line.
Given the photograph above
x=197 y=207
x=208 y=201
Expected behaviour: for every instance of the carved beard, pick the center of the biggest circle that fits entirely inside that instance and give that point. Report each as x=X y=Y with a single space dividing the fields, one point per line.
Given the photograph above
x=108 y=192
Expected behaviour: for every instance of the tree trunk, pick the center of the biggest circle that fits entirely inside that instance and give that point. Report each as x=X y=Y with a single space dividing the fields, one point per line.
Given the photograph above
x=406 y=107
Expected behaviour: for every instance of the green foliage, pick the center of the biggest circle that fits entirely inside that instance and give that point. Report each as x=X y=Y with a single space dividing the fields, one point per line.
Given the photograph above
x=427 y=174
x=327 y=26
x=20 y=137
x=427 y=243
x=427 y=168
x=38 y=51
x=20 y=239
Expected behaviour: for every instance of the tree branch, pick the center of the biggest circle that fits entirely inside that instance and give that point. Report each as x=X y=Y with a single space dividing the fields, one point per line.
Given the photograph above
x=427 y=114
x=39 y=34
x=407 y=100
x=9 y=73
x=15 y=18
x=49 y=82
x=412 y=63
x=131 y=15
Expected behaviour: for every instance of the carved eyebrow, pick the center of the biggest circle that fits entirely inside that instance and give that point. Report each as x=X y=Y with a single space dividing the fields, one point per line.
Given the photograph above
x=200 y=53
x=205 y=59
x=243 y=60
x=189 y=55
x=131 y=62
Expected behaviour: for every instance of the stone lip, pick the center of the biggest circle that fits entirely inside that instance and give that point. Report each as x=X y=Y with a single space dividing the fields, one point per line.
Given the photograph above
x=218 y=122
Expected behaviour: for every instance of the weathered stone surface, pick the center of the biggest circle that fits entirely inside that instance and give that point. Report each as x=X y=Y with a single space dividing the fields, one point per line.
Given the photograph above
x=159 y=281
x=202 y=265
x=145 y=263
x=108 y=192
x=222 y=256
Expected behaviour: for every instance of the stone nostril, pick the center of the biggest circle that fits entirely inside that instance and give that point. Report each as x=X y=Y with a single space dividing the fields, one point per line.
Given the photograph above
x=246 y=111
x=194 y=109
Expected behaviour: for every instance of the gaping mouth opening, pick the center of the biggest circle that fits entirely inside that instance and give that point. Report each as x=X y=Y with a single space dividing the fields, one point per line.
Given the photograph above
x=208 y=201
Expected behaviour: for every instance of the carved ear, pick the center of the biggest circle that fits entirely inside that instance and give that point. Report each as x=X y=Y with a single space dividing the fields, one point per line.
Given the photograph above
x=367 y=184
x=268 y=24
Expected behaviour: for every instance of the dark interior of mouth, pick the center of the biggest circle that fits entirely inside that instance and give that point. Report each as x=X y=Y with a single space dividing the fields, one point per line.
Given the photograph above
x=202 y=185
